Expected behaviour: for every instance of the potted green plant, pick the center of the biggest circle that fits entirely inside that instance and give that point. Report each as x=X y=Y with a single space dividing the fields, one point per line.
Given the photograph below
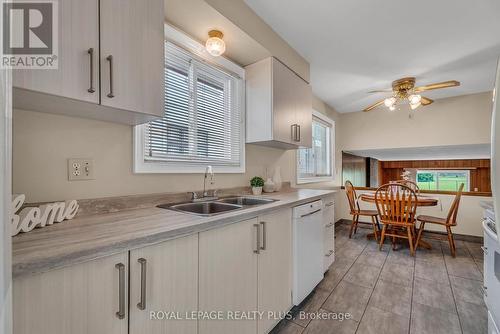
x=257 y=183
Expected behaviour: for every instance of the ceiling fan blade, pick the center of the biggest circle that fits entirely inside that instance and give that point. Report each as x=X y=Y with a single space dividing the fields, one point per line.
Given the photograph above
x=381 y=91
x=439 y=85
x=373 y=106
x=425 y=101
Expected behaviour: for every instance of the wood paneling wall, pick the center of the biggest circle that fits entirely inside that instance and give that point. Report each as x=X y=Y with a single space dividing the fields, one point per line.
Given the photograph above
x=354 y=169
x=479 y=170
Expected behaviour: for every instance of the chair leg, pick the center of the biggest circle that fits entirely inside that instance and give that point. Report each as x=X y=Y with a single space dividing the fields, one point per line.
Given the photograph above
x=420 y=232
x=354 y=222
x=375 y=232
x=410 y=240
x=451 y=241
x=393 y=241
x=382 y=237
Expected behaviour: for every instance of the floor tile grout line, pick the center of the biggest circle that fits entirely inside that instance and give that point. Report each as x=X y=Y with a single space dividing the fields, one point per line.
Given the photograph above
x=413 y=289
x=453 y=294
x=371 y=294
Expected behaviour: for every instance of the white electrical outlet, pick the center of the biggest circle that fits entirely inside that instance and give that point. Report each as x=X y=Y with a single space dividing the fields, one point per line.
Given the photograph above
x=80 y=169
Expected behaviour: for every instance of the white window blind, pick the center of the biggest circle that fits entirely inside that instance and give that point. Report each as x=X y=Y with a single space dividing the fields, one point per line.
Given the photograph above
x=316 y=163
x=202 y=124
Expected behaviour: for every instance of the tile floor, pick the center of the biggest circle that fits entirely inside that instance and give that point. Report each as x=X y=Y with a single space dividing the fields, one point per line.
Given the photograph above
x=391 y=292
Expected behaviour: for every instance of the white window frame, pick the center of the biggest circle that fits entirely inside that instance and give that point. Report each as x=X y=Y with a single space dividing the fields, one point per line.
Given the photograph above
x=317 y=179
x=437 y=171
x=198 y=50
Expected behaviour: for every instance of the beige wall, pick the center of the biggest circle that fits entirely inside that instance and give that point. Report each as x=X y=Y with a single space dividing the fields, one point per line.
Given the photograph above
x=452 y=121
x=44 y=142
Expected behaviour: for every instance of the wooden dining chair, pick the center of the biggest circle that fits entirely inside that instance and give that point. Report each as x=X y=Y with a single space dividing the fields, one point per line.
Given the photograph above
x=397 y=205
x=412 y=185
x=356 y=212
x=448 y=222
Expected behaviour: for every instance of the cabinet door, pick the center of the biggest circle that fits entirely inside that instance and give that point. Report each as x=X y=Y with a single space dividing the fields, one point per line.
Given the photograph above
x=80 y=299
x=132 y=55
x=228 y=276
x=304 y=112
x=284 y=102
x=329 y=222
x=78 y=32
x=275 y=268
x=169 y=283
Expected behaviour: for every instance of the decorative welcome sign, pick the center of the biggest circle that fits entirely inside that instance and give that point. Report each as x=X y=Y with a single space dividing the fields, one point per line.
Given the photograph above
x=46 y=214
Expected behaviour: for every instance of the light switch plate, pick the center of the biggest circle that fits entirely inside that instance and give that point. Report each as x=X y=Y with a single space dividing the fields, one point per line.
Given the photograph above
x=80 y=169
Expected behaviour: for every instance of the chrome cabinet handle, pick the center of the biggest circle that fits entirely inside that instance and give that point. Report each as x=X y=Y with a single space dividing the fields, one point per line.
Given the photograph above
x=293 y=135
x=91 y=56
x=142 y=304
x=485 y=250
x=110 y=59
x=310 y=213
x=329 y=253
x=298 y=133
x=264 y=236
x=121 y=290
x=257 y=249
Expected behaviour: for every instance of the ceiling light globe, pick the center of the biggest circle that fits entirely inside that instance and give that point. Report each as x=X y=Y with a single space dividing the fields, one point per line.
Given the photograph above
x=215 y=44
x=414 y=99
x=392 y=108
x=389 y=101
x=414 y=106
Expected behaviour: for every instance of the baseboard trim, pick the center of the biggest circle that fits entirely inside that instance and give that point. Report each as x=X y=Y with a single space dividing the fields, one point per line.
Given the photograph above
x=461 y=237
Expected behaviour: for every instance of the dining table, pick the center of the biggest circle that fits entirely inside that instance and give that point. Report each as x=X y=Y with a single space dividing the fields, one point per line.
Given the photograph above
x=422 y=201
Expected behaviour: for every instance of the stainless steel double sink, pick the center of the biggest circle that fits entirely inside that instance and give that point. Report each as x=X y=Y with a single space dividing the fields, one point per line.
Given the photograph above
x=214 y=207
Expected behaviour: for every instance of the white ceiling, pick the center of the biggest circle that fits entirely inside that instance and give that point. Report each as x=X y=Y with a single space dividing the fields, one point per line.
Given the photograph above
x=475 y=151
x=355 y=46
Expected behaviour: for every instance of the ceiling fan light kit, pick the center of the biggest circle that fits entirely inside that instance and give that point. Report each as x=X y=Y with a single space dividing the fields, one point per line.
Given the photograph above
x=405 y=92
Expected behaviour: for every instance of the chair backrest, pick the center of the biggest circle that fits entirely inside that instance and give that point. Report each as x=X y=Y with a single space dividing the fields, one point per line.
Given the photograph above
x=451 y=219
x=396 y=202
x=410 y=184
x=351 y=196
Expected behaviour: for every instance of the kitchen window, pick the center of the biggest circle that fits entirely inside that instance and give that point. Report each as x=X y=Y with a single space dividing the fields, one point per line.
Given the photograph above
x=445 y=180
x=203 y=120
x=316 y=164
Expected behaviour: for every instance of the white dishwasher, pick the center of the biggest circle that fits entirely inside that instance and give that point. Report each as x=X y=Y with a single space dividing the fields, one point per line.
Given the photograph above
x=308 y=251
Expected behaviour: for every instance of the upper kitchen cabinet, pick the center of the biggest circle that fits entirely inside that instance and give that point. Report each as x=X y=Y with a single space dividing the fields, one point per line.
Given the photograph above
x=111 y=60
x=279 y=106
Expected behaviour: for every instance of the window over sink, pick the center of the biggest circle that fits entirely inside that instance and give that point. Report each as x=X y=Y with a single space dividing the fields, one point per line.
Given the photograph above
x=203 y=122
x=316 y=164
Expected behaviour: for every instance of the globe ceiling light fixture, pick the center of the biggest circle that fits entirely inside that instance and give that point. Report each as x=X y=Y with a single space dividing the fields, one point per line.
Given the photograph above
x=215 y=44
x=390 y=101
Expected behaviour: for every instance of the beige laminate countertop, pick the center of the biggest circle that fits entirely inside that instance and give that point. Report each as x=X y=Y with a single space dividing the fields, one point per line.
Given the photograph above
x=91 y=237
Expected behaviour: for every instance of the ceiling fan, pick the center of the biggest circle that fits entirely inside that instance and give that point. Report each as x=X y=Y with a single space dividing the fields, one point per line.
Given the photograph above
x=404 y=91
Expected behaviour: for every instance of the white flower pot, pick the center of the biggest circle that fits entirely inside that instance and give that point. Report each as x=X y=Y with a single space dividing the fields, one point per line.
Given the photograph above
x=257 y=191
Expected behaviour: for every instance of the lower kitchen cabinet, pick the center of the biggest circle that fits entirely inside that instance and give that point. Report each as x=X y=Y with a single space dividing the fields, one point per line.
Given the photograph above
x=79 y=299
x=247 y=267
x=228 y=276
x=164 y=281
x=275 y=268
x=329 y=222
x=242 y=270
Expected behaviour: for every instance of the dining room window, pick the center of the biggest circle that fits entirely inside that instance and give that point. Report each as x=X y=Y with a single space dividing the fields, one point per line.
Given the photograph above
x=444 y=180
x=203 y=121
x=316 y=164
